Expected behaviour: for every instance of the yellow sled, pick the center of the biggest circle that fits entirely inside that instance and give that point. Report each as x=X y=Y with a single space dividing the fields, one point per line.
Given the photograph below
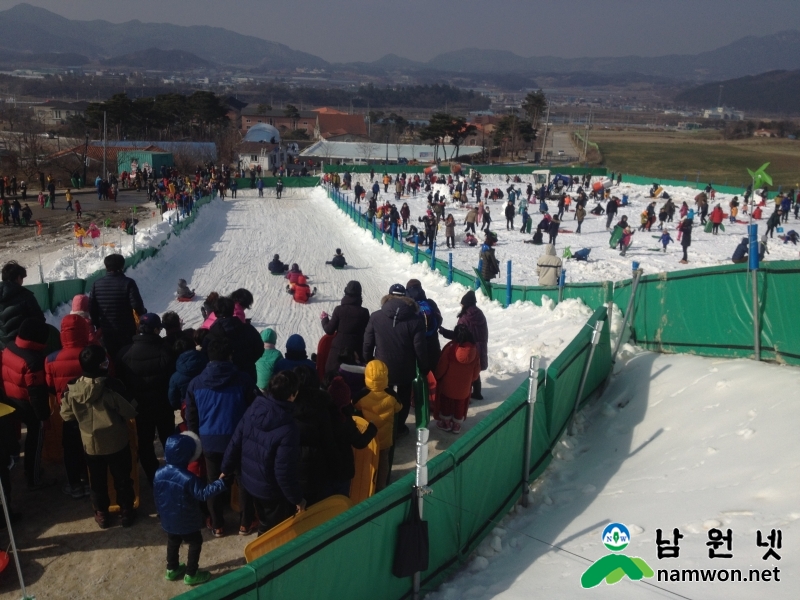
x=657 y=193
x=365 y=480
x=296 y=526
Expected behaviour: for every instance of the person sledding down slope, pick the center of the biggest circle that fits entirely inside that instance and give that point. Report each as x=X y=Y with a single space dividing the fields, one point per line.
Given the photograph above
x=276 y=267
x=184 y=293
x=294 y=273
x=338 y=261
x=300 y=291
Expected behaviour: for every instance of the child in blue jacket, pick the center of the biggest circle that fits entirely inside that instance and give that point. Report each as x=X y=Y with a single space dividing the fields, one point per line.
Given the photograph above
x=665 y=239
x=177 y=494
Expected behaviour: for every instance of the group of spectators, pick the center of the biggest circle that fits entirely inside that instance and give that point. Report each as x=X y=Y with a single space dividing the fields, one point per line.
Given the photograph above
x=281 y=424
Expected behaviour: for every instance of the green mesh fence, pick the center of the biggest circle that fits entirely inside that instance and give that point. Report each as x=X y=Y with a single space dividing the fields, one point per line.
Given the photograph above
x=483 y=169
x=245 y=183
x=472 y=490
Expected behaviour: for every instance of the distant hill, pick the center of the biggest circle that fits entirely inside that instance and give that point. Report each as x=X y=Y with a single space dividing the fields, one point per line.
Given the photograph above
x=33 y=29
x=774 y=92
x=37 y=31
x=159 y=60
x=47 y=59
x=747 y=56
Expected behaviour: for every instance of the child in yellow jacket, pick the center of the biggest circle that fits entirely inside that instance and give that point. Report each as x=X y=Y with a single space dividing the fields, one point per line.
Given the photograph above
x=379 y=407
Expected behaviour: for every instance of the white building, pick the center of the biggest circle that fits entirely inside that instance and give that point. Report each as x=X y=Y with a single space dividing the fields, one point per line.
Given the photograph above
x=723 y=113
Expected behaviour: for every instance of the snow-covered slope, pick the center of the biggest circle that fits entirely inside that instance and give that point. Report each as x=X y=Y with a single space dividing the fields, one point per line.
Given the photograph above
x=676 y=442
x=231 y=242
x=604 y=263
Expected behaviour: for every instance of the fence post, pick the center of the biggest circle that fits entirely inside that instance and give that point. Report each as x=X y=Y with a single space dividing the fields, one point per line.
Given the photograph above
x=508 y=284
x=598 y=329
x=562 y=280
x=533 y=382
x=450 y=269
x=433 y=255
x=753 y=266
x=421 y=488
x=416 y=249
x=637 y=273
x=480 y=270
x=359 y=216
x=374 y=233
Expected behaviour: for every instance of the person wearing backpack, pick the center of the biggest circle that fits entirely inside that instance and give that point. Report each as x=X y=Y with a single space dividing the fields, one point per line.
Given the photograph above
x=431 y=316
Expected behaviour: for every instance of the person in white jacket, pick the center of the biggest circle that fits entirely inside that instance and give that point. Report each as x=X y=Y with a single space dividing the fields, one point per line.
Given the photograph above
x=548 y=268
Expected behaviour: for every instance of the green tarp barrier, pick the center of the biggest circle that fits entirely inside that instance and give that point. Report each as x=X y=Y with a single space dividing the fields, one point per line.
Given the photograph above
x=42 y=295
x=472 y=490
x=271 y=182
x=64 y=291
x=521 y=170
x=673 y=312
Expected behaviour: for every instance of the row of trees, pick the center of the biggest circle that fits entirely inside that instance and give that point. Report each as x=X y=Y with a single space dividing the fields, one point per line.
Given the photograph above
x=199 y=116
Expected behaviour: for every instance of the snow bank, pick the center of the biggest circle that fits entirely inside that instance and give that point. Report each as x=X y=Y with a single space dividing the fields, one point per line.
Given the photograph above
x=676 y=441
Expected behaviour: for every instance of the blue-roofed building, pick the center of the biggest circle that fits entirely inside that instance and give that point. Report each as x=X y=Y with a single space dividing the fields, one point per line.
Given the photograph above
x=199 y=151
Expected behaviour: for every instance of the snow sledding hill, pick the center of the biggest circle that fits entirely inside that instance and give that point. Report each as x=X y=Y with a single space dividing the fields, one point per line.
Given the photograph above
x=231 y=242
x=605 y=264
x=676 y=441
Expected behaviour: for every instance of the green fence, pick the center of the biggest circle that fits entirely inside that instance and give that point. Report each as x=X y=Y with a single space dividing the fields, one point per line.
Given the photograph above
x=353 y=553
x=51 y=295
x=244 y=183
x=709 y=311
x=483 y=169
x=695 y=185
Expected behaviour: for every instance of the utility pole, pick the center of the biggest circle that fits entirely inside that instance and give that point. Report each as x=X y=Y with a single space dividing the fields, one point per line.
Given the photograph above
x=105 y=136
x=85 y=157
x=546 y=124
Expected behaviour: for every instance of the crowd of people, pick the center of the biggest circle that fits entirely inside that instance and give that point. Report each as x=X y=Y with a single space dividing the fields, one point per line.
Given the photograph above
x=222 y=400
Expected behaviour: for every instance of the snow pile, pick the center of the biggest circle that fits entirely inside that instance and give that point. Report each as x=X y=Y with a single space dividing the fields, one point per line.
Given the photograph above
x=605 y=264
x=79 y=262
x=676 y=441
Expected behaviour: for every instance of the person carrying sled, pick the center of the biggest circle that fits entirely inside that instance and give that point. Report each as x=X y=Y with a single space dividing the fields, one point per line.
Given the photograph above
x=338 y=261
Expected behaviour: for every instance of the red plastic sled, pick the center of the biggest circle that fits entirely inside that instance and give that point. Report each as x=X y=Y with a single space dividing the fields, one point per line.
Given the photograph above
x=189 y=299
x=565 y=231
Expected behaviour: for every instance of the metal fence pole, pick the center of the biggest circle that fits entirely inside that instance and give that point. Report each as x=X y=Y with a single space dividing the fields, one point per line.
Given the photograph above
x=533 y=383
x=598 y=329
x=637 y=273
x=508 y=284
x=562 y=280
x=421 y=488
x=433 y=255
x=480 y=270
x=416 y=249
x=13 y=543
x=753 y=265
x=450 y=269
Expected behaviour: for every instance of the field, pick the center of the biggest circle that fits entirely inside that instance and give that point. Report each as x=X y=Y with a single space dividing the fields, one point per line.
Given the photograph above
x=676 y=155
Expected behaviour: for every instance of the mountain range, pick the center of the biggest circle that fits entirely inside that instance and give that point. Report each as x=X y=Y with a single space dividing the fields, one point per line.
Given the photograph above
x=776 y=92
x=38 y=35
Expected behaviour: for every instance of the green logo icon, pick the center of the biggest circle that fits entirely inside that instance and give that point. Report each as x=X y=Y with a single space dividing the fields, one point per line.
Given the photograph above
x=614 y=567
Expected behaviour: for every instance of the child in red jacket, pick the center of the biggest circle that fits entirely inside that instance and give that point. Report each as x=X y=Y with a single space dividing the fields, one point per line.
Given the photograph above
x=300 y=290
x=459 y=365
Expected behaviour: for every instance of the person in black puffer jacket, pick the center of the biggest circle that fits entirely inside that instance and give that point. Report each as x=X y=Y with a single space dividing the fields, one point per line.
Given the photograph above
x=319 y=457
x=431 y=318
x=266 y=446
x=348 y=321
x=243 y=337
x=115 y=298
x=16 y=303
x=145 y=367
x=396 y=335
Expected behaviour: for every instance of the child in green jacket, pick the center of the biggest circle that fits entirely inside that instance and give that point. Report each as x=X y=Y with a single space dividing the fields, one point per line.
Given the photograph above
x=266 y=364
